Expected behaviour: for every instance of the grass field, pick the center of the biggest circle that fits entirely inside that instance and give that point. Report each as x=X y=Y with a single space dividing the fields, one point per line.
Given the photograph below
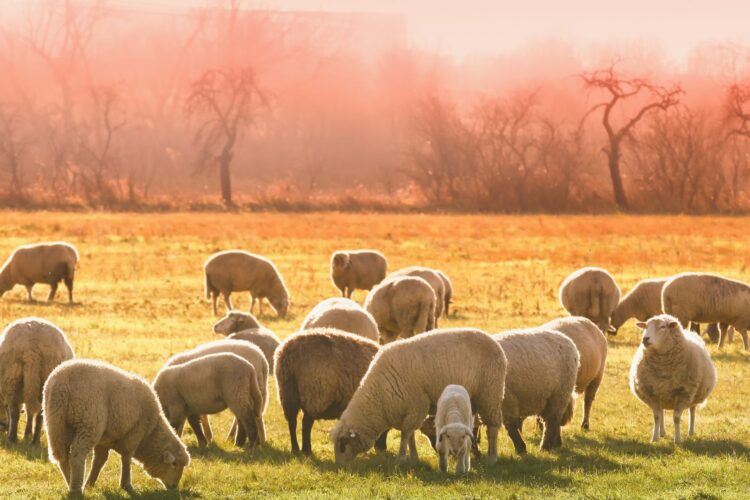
x=140 y=293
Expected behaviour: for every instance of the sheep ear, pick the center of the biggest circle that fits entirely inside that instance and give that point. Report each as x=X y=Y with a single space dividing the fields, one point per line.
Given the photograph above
x=641 y=324
x=168 y=457
x=672 y=324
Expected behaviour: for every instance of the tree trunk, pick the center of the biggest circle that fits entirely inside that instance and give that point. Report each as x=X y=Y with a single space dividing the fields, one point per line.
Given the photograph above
x=621 y=200
x=225 y=178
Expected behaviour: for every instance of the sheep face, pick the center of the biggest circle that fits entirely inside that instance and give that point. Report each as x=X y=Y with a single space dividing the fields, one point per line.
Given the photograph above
x=340 y=263
x=169 y=470
x=454 y=439
x=281 y=305
x=660 y=332
x=235 y=321
x=347 y=445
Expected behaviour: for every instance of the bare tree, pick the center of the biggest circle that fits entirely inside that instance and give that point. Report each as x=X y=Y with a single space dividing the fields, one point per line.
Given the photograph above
x=11 y=150
x=618 y=91
x=227 y=101
x=738 y=109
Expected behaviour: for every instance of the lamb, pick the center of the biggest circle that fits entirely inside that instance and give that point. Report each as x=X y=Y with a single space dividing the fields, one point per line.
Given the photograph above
x=357 y=270
x=453 y=427
x=317 y=371
x=30 y=348
x=47 y=263
x=343 y=314
x=671 y=370
x=402 y=307
x=542 y=369
x=244 y=326
x=432 y=278
x=709 y=298
x=448 y=286
x=93 y=406
x=590 y=292
x=592 y=349
x=237 y=271
x=405 y=381
x=211 y=384
x=247 y=351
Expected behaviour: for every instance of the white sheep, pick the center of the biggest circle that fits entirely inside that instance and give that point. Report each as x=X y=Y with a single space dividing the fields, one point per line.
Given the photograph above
x=671 y=370
x=432 y=278
x=93 y=406
x=30 y=348
x=238 y=325
x=590 y=292
x=47 y=263
x=402 y=307
x=357 y=270
x=453 y=427
x=342 y=314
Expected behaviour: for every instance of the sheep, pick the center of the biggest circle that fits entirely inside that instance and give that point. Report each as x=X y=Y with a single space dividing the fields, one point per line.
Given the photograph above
x=402 y=307
x=357 y=270
x=30 y=348
x=590 y=292
x=343 y=314
x=236 y=271
x=47 y=263
x=709 y=298
x=432 y=278
x=671 y=370
x=642 y=302
x=453 y=427
x=317 y=371
x=244 y=326
x=405 y=380
x=542 y=369
x=250 y=353
x=211 y=384
x=592 y=349
x=93 y=406
x=448 y=286
x=236 y=321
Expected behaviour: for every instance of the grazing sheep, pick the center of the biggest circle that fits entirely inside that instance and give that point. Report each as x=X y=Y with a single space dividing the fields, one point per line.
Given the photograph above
x=357 y=270
x=592 y=349
x=590 y=292
x=238 y=271
x=247 y=351
x=402 y=307
x=209 y=385
x=448 y=286
x=93 y=406
x=671 y=370
x=317 y=371
x=709 y=298
x=642 y=302
x=405 y=381
x=244 y=326
x=47 y=263
x=542 y=369
x=432 y=278
x=453 y=427
x=30 y=348
x=343 y=314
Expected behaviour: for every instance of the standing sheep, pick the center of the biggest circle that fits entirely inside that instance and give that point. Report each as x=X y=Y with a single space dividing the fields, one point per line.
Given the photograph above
x=238 y=271
x=709 y=298
x=405 y=381
x=342 y=314
x=542 y=370
x=317 y=371
x=357 y=270
x=448 y=286
x=92 y=406
x=402 y=307
x=244 y=326
x=432 y=278
x=592 y=349
x=211 y=384
x=453 y=427
x=590 y=292
x=47 y=263
x=671 y=370
x=30 y=348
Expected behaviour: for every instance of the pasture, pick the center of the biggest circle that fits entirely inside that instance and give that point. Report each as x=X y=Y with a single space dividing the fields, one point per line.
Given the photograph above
x=140 y=299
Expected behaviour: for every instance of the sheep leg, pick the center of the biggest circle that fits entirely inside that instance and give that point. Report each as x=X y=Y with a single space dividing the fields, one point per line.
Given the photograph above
x=125 y=482
x=658 y=422
x=677 y=417
x=722 y=336
x=405 y=438
x=232 y=430
x=241 y=436
x=382 y=442
x=28 y=292
x=69 y=285
x=291 y=421
x=29 y=425
x=475 y=442
x=691 y=427
x=413 y=454
x=195 y=424
x=662 y=428
x=227 y=300
x=745 y=343
x=443 y=461
x=588 y=401
x=206 y=426
x=696 y=327
x=80 y=447
x=492 y=431
x=14 y=414
x=252 y=304
x=307 y=425
x=52 y=292
x=38 y=421
x=260 y=307
x=101 y=454
x=514 y=433
x=551 y=438
x=214 y=300
x=260 y=429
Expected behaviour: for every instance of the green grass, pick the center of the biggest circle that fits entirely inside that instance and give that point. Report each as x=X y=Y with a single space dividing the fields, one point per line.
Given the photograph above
x=141 y=300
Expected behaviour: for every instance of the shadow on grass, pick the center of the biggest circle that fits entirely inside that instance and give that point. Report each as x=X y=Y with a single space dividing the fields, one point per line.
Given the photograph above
x=665 y=447
x=155 y=493
x=44 y=303
x=24 y=449
x=265 y=454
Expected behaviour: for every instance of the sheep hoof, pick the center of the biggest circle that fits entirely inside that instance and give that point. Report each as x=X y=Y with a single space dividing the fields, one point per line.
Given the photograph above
x=585 y=426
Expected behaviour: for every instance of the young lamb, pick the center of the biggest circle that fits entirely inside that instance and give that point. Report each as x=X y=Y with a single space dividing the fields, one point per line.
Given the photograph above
x=405 y=381
x=238 y=271
x=432 y=278
x=47 y=263
x=453 y=427
x=709 y=298
x=592 y=348
x=590 y=292
x=238 y=325
x=317 y=371
x=448 y=286
x=30 y=348
x=342 y=314
x=671 y=370
x=92 y=406
x=542 y=370
x=209 y=385
x=357 y=270
x=402 y=307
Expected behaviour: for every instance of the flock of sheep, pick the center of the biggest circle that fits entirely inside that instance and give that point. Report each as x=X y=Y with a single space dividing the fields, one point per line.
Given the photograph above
x=374 y=368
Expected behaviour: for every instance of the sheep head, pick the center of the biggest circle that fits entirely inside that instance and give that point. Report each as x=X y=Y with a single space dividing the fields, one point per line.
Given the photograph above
x=454 y=439
x=660 y=332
